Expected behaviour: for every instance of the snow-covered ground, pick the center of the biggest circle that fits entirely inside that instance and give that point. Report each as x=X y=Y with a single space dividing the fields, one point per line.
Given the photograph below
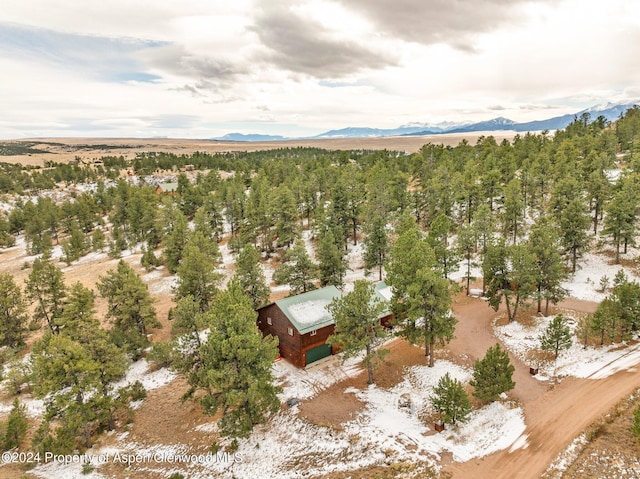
x=139 y=371
x=163 y=284
x=585 y=283
x=383 y=432
x=355 y=266
x=577 y=361
x=461 y=271
x=306 y=383
x=391 y=428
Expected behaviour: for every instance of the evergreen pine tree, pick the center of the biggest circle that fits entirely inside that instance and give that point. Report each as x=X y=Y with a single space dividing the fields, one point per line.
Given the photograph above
x=251 y=276
x=298 y=271
x=45 y=287
x=285 y=212
x=237 y=375
x=177 y=232
x=75 y=371
x=557 y=336
x=450 y=400
x=357 y=325
x=509 y=274
x=376 y=245
x=621 y=218
x=331 y=265
x=98 y=240
x=13 y=313
x=16 y=427
x=129 y=305
x=467 y=242
x=438 y=238
x=196 y=272
x=492 y=375
x=409 y=254
x=514 y=210
x=573 y=223
x=544 y=244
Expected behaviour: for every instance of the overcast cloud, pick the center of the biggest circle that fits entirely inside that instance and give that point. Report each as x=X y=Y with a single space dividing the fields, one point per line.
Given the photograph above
x=203 y=68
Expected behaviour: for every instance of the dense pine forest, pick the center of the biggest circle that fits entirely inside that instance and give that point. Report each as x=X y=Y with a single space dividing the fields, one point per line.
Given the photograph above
x=521 y=213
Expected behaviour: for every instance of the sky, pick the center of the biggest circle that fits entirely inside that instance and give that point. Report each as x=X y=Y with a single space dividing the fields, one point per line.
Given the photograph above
x=204 y=68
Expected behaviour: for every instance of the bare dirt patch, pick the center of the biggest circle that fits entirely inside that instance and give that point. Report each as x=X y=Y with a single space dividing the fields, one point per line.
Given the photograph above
x=164 y=420
x=333 y=407
x=614 y=453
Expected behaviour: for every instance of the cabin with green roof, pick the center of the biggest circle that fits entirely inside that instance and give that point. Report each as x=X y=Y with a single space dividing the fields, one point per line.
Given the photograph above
x=167 y=189
x=302 y=323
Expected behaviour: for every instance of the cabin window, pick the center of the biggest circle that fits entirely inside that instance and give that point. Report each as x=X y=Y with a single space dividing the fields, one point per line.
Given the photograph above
x=269 y=321
x=313 y=333
x=290 y=331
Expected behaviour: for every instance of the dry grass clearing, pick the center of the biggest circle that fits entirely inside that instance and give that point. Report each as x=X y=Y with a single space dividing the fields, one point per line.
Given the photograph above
x=64 y=149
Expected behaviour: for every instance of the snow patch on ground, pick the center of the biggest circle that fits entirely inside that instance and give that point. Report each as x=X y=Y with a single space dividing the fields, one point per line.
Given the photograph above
x=157 y=273
x=461 y=272
x=577 y=361
x=306 y=383
x=562 y=462
x=228 y=257
x=165 y=285
x=308 y=244
x=35 y=407
x=139 y=371
x=490 y=429
x=268 y=270
x=207 y=427
x=355 y=267
x=56 y=252
x=66 y=470
x=585 y=283
x=290 y=447
x=88 y=258
x=394 y=428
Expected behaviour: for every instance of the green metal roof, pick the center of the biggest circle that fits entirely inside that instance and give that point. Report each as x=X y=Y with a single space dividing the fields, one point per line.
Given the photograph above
x=383 y=292
x=168 y=187
x=307 y=311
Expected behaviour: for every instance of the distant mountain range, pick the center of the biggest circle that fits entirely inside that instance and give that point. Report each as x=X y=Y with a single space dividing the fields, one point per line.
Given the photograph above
x=611 y=111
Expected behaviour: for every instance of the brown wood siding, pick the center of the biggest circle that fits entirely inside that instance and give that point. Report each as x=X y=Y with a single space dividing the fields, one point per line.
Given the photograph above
x=387 y=321
x=288 y=345
x=292 y=348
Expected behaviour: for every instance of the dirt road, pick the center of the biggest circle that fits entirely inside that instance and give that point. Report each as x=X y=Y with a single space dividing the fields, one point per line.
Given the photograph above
x=554 y=417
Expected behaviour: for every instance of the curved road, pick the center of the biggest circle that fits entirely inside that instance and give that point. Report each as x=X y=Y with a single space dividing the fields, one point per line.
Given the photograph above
x=554 y=417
